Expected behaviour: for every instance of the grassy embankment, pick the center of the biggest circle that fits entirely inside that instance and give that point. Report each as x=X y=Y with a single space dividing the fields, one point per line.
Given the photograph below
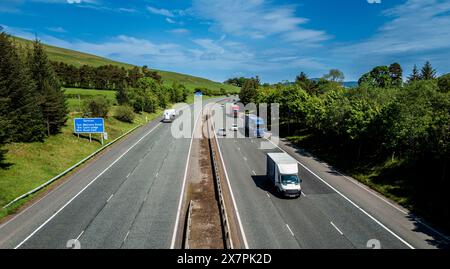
x=78 y=59
x=395 y=178
x=32 y=164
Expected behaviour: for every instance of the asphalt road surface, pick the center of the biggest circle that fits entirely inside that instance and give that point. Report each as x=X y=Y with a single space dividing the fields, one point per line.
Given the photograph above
x=125 y=198
x=324 y=217
x=128 y=197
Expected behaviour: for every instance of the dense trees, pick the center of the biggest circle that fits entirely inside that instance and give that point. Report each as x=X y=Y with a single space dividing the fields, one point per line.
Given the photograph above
x=381 y=122
x=249 y=90
x=20 y=111
x=238 y=82
x=32 y=104
x=444 y=83
x=107 y=77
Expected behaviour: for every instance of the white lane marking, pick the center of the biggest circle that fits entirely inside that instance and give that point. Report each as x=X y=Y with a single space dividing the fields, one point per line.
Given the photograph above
x=232 y=195
x=303 y=193
x=254 y=173
x=245 y=158
x=82 y=190
x=268 y=195
x=180 y=203
x=350 y=201
x=110 y=198
x=339 y=231
x=362 y=186
x=289 y=228
x=128 y=175
x=157 y=173
x=126 y=236
x=79 y=236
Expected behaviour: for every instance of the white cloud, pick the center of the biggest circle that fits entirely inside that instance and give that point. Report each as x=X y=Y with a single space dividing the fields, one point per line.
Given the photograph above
x=418 y=30
x=169 y=20
x=57 y=29
x=180 y=31
x=162 y=11
x=256 y=19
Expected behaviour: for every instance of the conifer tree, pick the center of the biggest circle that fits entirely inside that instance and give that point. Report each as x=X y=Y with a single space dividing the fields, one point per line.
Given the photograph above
x=51 y=96
x=427 y=72
x=20 y=114
x=415 y=76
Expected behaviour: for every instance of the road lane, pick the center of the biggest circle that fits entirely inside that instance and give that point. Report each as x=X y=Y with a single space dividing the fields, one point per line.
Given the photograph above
x=321 y=219
x=132 y=198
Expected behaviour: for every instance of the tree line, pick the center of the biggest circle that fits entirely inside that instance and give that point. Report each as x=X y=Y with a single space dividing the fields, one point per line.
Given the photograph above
x=383 y=121
x=32 y=103
x=105 y=77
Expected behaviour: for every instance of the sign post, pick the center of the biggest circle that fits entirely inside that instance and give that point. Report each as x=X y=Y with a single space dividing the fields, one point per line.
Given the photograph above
x=89 y=126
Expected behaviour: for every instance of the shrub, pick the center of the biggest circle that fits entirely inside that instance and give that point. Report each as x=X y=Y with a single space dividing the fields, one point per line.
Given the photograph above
x=97 y=106
x=125 y=114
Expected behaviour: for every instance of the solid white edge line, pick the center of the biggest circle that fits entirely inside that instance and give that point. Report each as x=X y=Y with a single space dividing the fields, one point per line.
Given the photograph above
x=350 y=201
x=79 y=236
x=339 y=231
x=232 y=196
x=177 y=220
x=89 y=184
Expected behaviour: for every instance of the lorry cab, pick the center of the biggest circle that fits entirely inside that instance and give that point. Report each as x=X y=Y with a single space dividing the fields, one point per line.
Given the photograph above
x=282 y=170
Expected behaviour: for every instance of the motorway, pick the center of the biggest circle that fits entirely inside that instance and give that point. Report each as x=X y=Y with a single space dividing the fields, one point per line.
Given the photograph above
x=125 y=198
x=323 y=217
x=129 y=197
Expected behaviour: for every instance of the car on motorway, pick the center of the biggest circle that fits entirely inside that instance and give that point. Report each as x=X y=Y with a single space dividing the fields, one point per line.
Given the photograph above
x=234 y=128
x=222 y=132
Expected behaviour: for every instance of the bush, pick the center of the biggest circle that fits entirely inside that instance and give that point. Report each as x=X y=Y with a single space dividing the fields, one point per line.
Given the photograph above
x=125 y=114
x=444 y=83
x=97 y=106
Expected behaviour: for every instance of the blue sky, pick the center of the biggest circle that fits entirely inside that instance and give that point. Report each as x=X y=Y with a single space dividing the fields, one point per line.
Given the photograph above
x=218 y=39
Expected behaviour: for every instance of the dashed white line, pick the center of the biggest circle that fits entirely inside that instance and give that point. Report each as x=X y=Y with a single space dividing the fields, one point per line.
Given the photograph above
x=110 y=198
x=289 y=228
x=303 y=193
x=245 y=158
x=348 y=200
x=268 y=195
x=126 y=236
x=128 y=175
x=87 y=186
x=254 y=173
x=339 y=231
x=79 y=236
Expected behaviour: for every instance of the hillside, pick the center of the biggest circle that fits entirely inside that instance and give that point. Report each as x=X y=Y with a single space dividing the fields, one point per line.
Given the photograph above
x=79 y=58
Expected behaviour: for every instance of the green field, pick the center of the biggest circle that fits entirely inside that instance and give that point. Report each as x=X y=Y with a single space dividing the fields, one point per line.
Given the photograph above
x=78 y=59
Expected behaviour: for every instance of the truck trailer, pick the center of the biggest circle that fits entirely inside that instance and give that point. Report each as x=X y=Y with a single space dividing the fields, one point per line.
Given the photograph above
x=282 y=170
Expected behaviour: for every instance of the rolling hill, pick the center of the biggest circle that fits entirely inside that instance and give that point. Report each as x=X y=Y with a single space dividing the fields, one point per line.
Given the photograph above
x=79 y=58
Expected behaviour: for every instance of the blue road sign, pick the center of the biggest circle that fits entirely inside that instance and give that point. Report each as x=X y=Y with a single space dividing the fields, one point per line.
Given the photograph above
x=89 y=125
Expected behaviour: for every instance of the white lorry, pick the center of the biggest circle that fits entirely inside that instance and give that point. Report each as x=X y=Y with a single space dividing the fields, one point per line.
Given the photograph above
x=169 y=115
x=282 y=170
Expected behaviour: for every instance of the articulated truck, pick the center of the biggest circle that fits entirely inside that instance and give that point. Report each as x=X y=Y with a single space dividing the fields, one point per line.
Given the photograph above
x=282 y=170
